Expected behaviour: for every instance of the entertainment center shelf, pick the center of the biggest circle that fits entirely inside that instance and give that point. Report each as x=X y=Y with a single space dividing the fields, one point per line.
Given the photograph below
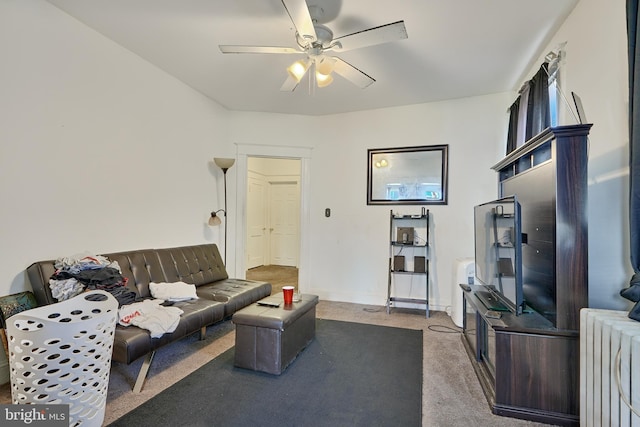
x=515 y=360
x=528 y=364
x=528 y=322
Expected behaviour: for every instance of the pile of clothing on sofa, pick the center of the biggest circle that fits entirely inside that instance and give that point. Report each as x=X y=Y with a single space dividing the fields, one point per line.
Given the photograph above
x=79 y=273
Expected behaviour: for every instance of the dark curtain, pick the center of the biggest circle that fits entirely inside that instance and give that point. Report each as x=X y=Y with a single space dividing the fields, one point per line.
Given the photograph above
x=633 y=291
x=538 y=115
x=634 y=133
x=512 y=133
x=530 y=113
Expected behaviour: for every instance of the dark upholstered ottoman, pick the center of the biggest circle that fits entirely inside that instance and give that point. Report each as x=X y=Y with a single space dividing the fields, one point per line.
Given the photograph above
x=268 y=339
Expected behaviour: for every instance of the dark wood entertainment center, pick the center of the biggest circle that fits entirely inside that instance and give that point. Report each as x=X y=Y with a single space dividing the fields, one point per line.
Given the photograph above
x=528 y=365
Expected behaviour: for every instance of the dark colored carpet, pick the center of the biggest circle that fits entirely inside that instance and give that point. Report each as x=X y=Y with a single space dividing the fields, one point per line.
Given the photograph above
x=351 y=375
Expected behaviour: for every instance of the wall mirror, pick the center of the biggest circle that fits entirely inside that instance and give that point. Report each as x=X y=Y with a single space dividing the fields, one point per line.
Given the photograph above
x=407 y=175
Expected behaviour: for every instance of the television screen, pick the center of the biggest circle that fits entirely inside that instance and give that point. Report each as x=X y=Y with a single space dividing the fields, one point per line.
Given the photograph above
x=498 y=254
x=538 y=218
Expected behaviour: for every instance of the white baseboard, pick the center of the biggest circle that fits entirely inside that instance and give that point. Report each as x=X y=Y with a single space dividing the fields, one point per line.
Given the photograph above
x=370 y=299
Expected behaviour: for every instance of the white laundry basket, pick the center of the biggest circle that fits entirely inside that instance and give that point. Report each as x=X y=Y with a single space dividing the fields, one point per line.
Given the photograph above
x=61 y=354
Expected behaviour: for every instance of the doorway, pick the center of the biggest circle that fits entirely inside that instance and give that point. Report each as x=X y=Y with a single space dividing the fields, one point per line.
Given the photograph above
x=303 y=155
x=273 y=220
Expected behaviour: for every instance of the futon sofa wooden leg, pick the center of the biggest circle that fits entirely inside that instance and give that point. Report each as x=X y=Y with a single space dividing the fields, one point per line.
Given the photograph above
x=203 y=333
x=142 y=375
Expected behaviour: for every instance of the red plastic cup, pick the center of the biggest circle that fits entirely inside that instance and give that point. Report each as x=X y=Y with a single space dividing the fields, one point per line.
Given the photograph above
x=287 y=291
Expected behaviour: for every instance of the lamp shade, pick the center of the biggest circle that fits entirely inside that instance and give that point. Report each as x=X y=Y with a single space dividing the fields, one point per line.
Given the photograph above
x=326 y=66
x=298 y=69
x=323 y=71
x=214 y=220
x=223 y=163
x=324 y=80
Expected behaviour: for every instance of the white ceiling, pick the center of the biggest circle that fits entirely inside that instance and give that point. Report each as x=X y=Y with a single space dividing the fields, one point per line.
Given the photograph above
x=455 y=49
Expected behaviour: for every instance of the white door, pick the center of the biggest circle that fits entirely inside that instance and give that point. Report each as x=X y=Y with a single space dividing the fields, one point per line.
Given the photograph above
x=284 y=223
x=256 y=222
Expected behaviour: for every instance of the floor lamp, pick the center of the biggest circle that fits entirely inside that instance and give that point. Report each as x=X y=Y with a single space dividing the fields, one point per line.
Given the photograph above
x=214 y=220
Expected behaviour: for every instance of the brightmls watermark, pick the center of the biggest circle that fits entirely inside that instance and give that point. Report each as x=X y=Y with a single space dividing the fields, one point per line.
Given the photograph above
x=34 y=415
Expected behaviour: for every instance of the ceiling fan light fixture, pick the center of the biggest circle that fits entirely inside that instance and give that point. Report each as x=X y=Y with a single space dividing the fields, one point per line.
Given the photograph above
x=323 y=71
x=326 y=66
x=323 y=80
x=314 y=39
x=298 y=69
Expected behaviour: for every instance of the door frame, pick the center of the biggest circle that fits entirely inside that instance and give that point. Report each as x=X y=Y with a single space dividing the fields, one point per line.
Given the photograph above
x=274 y=151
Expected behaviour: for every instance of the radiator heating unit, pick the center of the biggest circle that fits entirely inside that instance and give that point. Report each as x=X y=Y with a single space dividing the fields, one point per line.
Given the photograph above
x=609 y=368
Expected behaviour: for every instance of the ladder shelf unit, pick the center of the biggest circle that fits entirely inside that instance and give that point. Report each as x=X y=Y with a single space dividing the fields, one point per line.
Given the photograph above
x=408 y=259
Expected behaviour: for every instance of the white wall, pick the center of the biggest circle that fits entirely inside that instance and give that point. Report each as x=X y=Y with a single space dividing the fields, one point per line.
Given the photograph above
x=101 y=151
x=352 y=246
x=349 y=250
x=596 y=69
x=274 y=167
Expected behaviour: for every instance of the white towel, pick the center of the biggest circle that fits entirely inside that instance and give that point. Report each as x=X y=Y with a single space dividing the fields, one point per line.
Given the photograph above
x=176 y=291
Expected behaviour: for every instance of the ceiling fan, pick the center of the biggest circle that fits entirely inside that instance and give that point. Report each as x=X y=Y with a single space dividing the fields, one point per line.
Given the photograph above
x=316 y=40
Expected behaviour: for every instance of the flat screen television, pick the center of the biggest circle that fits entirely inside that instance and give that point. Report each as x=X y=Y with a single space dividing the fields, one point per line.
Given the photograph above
x=498 y=254
x=538 y=208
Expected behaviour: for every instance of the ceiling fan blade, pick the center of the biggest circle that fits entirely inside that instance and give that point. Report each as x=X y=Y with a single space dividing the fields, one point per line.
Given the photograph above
x=228 y=48
x=373 y=36
x=299 y=14
x=289 y=85
x=351 y=73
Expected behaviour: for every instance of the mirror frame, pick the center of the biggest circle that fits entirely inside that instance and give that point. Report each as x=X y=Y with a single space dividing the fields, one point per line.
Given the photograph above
x=399 y=153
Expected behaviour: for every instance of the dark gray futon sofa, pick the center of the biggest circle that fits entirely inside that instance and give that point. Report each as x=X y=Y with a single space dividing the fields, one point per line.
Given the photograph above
x=201 y=265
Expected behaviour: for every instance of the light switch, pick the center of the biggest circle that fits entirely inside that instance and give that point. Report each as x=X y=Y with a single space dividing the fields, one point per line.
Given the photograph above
x=327 y=212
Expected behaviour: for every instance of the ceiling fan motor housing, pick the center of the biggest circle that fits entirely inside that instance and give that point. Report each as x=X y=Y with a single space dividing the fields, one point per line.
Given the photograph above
x=323 y=34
